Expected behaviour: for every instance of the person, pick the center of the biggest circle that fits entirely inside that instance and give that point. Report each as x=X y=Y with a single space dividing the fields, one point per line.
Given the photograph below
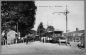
x=28 y=38
x=2 y=39
x=3 y=33
x=5 y=36
x=17 y=37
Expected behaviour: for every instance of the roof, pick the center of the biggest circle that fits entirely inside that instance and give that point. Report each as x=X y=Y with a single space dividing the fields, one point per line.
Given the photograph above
x=58 y=31
x=80 y=31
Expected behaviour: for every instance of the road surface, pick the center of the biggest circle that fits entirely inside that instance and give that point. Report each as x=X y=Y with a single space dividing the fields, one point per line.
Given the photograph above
x=39 y=48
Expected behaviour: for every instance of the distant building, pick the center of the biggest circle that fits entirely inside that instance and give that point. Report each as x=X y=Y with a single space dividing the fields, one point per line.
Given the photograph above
x=76 y=36
x=54 y=34
x=58 y=33
x=11 y=35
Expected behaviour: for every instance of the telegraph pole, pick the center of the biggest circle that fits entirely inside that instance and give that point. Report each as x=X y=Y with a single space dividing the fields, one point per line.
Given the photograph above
x=66 y=14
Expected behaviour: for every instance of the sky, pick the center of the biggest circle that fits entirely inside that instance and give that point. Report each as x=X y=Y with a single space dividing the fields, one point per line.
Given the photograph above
x=47 y=12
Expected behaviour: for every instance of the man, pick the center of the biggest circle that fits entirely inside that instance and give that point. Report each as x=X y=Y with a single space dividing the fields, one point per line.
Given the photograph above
x=28 y=38
x=3 y=39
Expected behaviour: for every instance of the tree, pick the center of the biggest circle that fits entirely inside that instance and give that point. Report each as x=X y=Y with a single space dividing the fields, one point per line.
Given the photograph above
x=49 y=31
x=20 y=12
x=40 y=30
x=50 y=28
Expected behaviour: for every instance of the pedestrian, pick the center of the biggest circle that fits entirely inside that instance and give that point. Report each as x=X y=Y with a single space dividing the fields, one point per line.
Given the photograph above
x=26 y=39
x=5 y=36
x=3 y=33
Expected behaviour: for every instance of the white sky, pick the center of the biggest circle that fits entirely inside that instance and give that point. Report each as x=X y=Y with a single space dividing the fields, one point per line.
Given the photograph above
x=45 y=10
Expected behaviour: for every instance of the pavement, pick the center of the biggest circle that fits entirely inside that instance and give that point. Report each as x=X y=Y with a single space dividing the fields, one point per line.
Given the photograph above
x=39 y=48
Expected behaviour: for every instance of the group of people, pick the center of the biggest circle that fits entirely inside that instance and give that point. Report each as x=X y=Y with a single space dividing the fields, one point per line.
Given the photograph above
x=9 y=36
x=45 y=39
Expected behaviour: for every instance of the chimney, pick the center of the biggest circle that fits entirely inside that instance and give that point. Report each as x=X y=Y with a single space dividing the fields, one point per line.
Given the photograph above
x=77 y=29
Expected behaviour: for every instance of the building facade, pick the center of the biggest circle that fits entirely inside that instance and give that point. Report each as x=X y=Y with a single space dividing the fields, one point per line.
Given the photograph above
x=76 y=36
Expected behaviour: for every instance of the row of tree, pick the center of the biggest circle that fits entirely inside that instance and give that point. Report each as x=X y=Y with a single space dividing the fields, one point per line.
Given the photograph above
x=20 y=16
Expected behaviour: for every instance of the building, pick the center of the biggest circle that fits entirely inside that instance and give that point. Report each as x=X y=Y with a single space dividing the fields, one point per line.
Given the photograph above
x=11 y=35
x=76 y=36
x=54 y=34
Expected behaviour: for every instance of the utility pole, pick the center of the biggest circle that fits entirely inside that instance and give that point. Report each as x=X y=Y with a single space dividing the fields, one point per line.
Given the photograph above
x=17 y=27
x=66 y=14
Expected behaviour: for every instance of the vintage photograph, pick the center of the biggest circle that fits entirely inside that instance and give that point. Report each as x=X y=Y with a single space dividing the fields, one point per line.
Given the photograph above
x=42 y=27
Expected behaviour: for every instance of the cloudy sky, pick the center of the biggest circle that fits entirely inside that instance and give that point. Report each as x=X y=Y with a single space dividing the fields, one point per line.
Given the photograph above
x=47 y=13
